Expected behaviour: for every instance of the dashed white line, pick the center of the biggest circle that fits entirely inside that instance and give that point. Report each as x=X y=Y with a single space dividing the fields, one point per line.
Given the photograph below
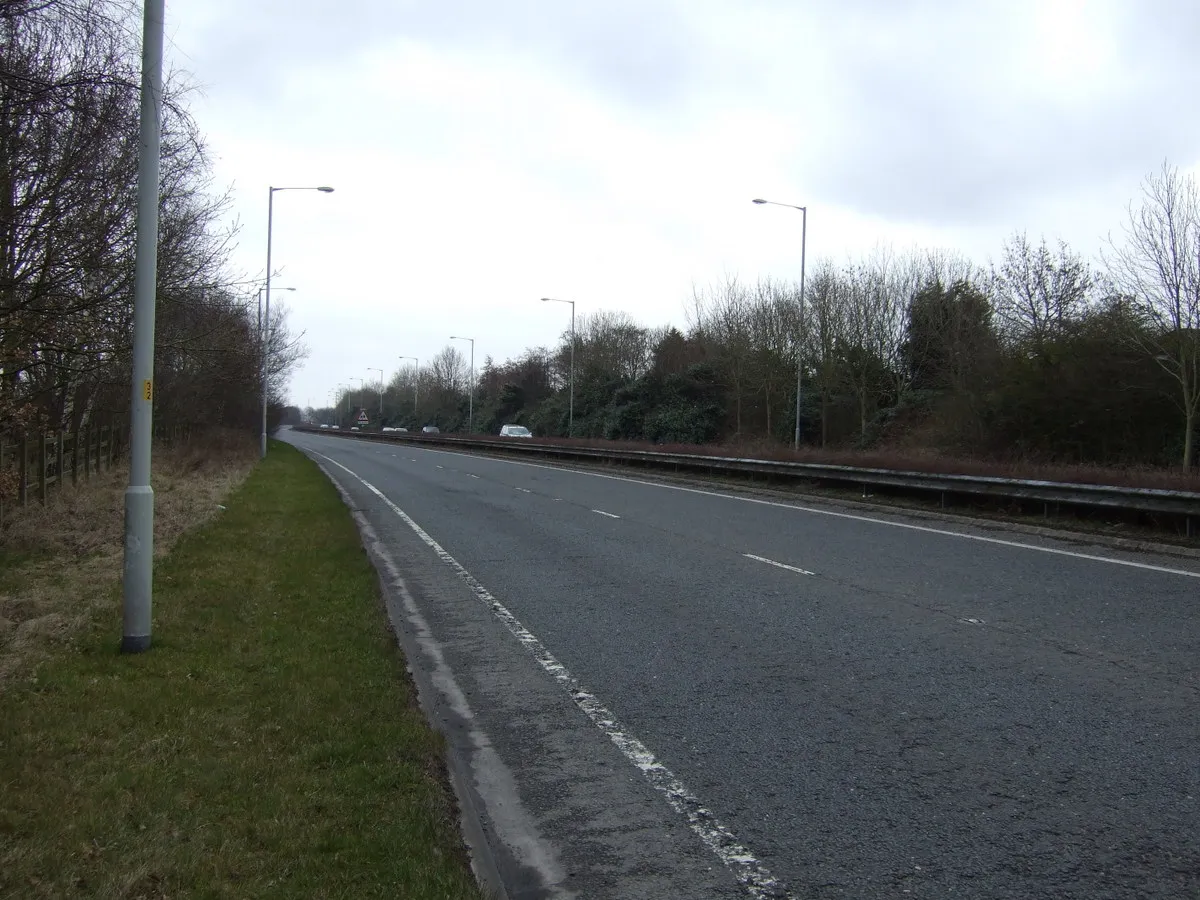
x=603 y=513
x=771 y=562
x=525 y=490
x=469 y=475
x=749 y=872
x=440 y=467
x=944 y=532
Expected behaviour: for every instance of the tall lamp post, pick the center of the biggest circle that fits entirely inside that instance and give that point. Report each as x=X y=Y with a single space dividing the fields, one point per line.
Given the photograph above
x=471 y=385
x=571 y=395
x=416 y=379
x=380 y=371
x=137 y=584
x=800 y=347
x=325 y=189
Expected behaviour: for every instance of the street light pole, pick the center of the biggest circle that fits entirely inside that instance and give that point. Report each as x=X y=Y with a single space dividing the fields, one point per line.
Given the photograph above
x=325 y=189
x=800 y=347
x=416 y=379
x=138 y=581
x=380 y=371
x=471 y=386
x=571 y=394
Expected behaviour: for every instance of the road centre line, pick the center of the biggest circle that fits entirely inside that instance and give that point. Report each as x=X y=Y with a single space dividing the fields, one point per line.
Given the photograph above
x=747 y=870
x=771 y=562
x=603 y=513
x=1166 y=570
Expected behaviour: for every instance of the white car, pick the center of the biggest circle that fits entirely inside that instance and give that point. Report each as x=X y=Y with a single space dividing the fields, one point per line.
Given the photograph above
x=324 y=425
x=394 y=428
x=518 y=431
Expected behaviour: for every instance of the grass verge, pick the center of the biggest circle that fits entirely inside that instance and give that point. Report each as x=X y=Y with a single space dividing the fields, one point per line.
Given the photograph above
x=270 y=745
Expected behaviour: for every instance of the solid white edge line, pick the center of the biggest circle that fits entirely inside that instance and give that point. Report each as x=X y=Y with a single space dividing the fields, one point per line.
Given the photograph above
x=746 y=869
x=603 y=513
x=771 y=562
x=1166 y=570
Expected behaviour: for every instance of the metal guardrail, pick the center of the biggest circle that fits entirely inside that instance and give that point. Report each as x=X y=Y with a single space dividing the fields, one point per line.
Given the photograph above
x=1152 y=500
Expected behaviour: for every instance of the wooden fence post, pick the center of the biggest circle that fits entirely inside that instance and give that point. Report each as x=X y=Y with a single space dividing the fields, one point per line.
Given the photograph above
x=59 y=474
x=23 y=484
x=87 y=453
x=111 y=448
x=43 y=463
x=75 y=457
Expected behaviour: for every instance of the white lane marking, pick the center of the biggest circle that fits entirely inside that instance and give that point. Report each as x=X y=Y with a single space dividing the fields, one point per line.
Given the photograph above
x=1166 y=570
x=525 y=490
x=603 y=513
x=440 y=467
x=472 y=476
x=771 y=562
x=746 y=868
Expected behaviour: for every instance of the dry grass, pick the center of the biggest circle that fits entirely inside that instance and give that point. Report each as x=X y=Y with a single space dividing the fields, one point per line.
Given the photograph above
x=58 y=562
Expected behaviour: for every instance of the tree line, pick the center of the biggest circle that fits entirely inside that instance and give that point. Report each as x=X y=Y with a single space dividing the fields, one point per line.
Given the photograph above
x=69 y=108
x=1041 y=355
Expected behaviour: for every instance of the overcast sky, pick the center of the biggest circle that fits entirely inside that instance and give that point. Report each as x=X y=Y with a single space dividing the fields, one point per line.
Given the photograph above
x=486 y=153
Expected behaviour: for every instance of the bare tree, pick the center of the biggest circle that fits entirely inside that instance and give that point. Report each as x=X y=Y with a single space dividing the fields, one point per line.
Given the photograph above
x=774 y=334
x=723 y=314
x=824 y=329
x=1037 y=291
x=1158 y=269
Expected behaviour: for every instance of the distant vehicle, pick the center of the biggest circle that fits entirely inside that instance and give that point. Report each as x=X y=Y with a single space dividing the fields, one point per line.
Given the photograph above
x=388 y=428
x=354 y=428
x=515 y=431
x=336 y=427
x=325 y=425
x=431 y=429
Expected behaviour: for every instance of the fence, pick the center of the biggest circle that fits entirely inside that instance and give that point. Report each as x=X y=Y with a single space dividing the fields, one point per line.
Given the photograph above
x=44 y=461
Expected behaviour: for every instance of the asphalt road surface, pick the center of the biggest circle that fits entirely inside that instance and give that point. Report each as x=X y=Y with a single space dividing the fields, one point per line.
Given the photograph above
x=662 y=692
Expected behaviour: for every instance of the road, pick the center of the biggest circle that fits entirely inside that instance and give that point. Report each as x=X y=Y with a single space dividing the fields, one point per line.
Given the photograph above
x=664 y=692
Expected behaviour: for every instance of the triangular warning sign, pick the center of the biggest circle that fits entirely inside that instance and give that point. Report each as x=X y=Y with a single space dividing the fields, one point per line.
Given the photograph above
x=362 y=417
